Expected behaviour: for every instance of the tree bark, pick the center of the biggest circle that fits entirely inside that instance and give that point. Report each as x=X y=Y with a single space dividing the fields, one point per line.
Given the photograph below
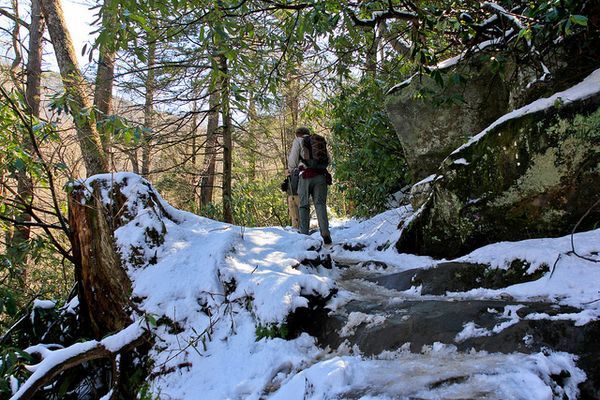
x=103 y=285
x=34 y=61
x=291 y=113
x=292 y=105
x=61 y=360
x=194 y=133
x=149 y=108
x=14 y=67
x=133 y=157
x=32 y=98
x=371 y=53
x=227 y=143
x=105 y=75
x=207 y=179
x=252 y=143
x=76 y=88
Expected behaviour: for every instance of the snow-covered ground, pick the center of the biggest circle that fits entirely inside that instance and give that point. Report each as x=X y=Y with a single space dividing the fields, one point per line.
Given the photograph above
x=217 y=354
x=214 y=284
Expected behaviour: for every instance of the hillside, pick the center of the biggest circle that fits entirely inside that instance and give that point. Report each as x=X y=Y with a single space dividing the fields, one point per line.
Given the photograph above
x=219 y=295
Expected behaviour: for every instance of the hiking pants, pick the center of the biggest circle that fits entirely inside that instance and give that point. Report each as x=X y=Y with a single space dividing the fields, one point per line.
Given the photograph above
x=315 y=187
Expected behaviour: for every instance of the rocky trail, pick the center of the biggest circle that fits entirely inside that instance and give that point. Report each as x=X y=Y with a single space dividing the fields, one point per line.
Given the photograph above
x=387 y=313
x=268 y=313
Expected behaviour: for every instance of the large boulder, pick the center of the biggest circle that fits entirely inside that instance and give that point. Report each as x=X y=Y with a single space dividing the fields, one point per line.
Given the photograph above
x=480 y=85
x=431 y=121
x=534 y=172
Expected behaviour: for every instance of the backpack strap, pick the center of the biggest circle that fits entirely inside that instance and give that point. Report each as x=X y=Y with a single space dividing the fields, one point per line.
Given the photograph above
x=308 y=144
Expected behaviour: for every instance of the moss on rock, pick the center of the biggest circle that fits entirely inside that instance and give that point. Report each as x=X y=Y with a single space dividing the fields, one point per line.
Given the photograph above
x=531 y=176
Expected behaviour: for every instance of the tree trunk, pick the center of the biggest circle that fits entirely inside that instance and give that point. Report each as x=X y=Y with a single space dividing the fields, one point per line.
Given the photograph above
x=89 y=140
x=252 y=143
x=207 y=180
x=371 y=53
x=16 y=33
x=105 y=75
x=292 y=105
x=194 y=133
x=34 y=61
x=32 y=98
x=133 y=157
x=149 y=108
x=104 y=287
x=291 y=113
x=227 y=143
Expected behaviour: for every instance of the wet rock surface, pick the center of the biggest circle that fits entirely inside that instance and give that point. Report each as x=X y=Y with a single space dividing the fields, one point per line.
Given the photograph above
x=381 y=318
x=424 y=322
x=459 y=277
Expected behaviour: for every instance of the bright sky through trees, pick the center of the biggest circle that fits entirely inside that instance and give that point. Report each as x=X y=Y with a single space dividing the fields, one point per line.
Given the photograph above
x=78 y=16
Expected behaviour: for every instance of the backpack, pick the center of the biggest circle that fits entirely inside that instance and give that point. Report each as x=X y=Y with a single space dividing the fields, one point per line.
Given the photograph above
x=314 y=152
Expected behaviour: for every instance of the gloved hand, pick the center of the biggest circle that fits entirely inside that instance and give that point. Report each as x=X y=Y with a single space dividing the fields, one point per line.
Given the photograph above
x=285 y=184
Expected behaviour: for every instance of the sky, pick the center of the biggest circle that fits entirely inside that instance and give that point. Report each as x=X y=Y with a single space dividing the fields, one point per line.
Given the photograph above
x=78 y=17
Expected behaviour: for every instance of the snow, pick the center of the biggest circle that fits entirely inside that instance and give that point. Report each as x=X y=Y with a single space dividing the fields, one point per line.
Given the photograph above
x=440 y=372
x=40 y=305
x=107 y=396
x=574 y=281
x=114 y=343
x=378 y=235
x=71 y=307
x=52 y=358
x=499 y=9
x=211 y=285
x=14 y=384
x=583 y=90
x=405 y=82
x=452 y=61
x=471 y=330
x=428 y=179
x=355 y=319
x=44 y=304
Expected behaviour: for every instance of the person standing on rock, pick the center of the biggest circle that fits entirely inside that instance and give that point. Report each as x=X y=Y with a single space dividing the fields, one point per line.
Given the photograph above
x=309 y=156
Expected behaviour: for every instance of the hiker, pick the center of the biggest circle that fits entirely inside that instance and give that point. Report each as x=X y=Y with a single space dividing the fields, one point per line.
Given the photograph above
x=309 y=156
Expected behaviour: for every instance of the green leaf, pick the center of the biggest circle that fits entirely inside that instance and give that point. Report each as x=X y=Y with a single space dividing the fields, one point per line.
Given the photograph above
x=10 y=304
x=19 y=165
x=61 y=166
x=151 y=320
x=579 y=20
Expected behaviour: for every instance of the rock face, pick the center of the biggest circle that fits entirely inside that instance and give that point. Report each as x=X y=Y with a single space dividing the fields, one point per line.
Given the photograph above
x=460 y=277
x=431 y=122
x=530 y=176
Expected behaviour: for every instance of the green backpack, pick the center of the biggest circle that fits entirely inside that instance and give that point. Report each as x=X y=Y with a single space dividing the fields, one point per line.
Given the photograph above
x=314 y=152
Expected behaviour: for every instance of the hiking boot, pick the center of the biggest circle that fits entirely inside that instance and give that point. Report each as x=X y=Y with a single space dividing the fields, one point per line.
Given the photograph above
x=327 y=239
